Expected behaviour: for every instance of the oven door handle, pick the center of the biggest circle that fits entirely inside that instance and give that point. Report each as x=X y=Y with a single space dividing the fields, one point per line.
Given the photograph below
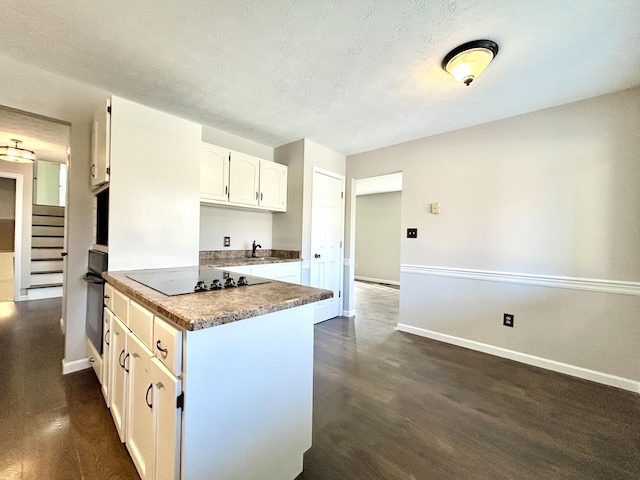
x=91 y=277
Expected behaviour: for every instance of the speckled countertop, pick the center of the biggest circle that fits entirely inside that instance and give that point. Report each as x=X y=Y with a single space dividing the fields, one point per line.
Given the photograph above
x=229 y=258
x=196 y=311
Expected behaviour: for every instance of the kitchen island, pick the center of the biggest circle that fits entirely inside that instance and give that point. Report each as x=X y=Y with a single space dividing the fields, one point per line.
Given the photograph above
x=233 y=389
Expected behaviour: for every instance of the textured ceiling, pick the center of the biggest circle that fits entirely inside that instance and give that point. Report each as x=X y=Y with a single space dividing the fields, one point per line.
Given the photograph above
x=48 y=139
x=351 y=75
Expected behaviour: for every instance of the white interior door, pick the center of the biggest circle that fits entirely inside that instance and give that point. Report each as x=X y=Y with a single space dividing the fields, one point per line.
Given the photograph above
x=327 y=220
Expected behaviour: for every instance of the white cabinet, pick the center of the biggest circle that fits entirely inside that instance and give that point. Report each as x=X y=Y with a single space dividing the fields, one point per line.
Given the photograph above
x=236 y=179
x=283 y=272
x=140 y=438
x=168 y=421
x=106 y=353
x=142 y=393
x=244 y=179
x=214 y=173
x=273 y=185
x=119 y=375
x=100 y=145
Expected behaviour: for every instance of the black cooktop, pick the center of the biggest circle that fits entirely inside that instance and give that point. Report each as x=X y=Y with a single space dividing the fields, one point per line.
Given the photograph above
x=195 y=279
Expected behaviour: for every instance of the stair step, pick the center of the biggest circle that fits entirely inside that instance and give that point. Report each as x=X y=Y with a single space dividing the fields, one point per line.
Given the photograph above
x=46 y=266
x=38 y=253
x=45 y=278
x=48 y=210
x=48 y=242
x=38 y=231
x=47 y=220
x=44 y=291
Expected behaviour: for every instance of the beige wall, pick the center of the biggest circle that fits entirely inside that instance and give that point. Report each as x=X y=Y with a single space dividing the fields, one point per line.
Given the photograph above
x=553 y=194
x=377 y=254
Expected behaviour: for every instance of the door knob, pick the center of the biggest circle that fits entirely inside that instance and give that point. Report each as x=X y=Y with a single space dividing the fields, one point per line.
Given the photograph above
x=317 y=255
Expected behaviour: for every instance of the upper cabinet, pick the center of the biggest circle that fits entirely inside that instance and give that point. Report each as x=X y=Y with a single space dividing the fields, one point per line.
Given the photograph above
x=273 y=185
x=244 y=179
x=237 y=179
x=214 y=173
x=100 y=145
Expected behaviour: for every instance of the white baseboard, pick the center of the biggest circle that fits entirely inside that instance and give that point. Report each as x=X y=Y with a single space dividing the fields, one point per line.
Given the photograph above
x=377 y=280
x=75 y=366
x=575 y=371
x=348 y=313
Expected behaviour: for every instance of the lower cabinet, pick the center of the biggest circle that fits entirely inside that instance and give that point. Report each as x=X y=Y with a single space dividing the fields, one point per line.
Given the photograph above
x=283 y=272
x=144 y=404
x=153 y=422
x=119 y=375
x=106 y=354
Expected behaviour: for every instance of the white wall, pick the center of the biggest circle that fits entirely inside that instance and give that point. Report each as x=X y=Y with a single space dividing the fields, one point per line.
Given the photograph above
x=37 y=91
x=377 y=255
x=533 y=209
x=154 y=200
x=243 y=226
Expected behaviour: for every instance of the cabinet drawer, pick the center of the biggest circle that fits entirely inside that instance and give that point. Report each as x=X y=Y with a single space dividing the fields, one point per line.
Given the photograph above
x=167 y=345
x=120 y=303
x=141 y=323
x=108 y=296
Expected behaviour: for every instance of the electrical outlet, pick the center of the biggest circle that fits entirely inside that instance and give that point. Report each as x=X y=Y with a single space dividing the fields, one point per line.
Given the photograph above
x=507 y=320
x=227 y=241
x=412 y=233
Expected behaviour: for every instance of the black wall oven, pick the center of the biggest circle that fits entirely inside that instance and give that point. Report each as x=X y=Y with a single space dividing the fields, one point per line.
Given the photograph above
x=98 y=263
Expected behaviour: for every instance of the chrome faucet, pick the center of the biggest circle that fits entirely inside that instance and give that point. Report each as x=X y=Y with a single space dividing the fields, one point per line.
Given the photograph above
x=253 y=249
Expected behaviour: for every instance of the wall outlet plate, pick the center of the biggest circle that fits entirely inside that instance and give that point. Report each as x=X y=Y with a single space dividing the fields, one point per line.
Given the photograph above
x=507 y=319
x=227 y=241
x=412 y=233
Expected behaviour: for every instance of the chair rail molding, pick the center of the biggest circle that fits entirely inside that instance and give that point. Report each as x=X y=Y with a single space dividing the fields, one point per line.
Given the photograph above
x=574 y=283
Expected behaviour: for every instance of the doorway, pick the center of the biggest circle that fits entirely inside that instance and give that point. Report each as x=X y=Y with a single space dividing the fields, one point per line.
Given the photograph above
x=9 y=235
x=40 y=196
x=376 y=234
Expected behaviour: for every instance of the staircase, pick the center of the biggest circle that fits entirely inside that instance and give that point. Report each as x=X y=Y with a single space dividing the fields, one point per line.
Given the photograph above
x=47 y=242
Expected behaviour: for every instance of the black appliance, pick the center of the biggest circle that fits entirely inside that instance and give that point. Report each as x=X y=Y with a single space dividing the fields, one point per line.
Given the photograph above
x=98 y=263
x=194 y=279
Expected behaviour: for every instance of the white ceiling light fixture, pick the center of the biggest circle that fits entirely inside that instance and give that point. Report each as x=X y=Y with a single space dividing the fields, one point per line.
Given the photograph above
x=17 y=154
x=468 y=61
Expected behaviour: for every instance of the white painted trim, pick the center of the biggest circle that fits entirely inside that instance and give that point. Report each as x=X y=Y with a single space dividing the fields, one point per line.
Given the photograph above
x=346 y=262
x=574 y=283
x=75 y=366
x=17 y=234
x=348 y=313
x=377 y=280
x=306 y=264
x=573 y=370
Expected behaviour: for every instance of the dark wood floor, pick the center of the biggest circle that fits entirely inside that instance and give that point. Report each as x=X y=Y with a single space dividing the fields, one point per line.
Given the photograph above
x=387 y=405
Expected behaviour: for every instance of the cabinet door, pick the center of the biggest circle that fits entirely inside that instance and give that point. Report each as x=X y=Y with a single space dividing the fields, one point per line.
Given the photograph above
x=141 y=423
x=119 y=375
x=101 y=145
x=214 y=173
x=273 y=185
x=168 y=422
x=106 y=354
x=244 y=173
